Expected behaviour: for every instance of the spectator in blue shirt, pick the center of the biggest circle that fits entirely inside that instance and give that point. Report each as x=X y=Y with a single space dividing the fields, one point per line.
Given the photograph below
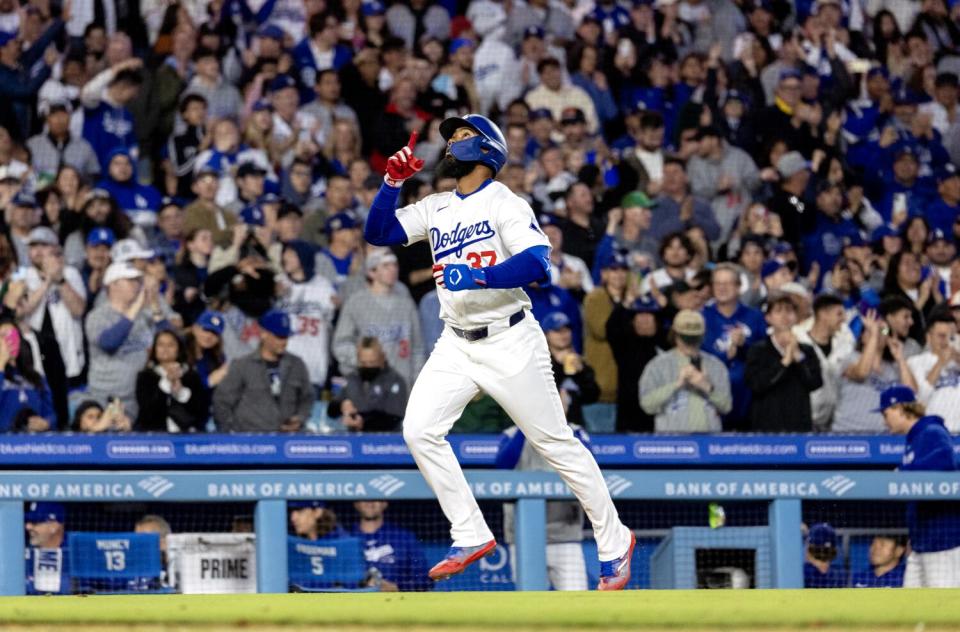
x=886 y=566
x=934 y=560
x=22 y=73
x=822 y=549
x=824 y=244
x=732 y=328
x=107 y=123
x=26 y=403
x=945 y=209
x=393 y=551
x=320 y=51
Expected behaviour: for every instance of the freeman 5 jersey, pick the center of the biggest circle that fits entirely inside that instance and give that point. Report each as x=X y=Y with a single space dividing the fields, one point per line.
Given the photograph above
x=481 y=229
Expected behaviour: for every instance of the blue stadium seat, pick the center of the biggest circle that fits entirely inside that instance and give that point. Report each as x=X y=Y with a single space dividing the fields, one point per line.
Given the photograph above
x=326 y=565
x=115 y=562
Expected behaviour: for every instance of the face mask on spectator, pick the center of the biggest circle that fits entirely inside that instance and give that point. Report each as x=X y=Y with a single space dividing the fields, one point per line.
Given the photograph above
x=12 y=339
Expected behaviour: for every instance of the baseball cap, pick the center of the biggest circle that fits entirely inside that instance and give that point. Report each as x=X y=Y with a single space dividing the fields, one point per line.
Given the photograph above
x=276 y=322
x=947 y=171
x=169 y=200
x=305 y=504
x=211 y=321
x=790 y=73
x=645 y=305
x=893 y=395
x=459 y=43
x=689 y=323
x=42 y=235
x=878 y=70
x=289 y=209
x=791 y=163
x=546 y=219
x=24 y=199
x=708 y=130
x=905 y=96
x=570 y=116
x=637 y=198
x=885 y=230
x=282 y=82
x=374 y=7
x=56 y=105
x=904 y=150
x=262 y=104
x=736 y=95
x=935 y=235
x=378 y=257
x=770 y=267
x=129 y=249
x=252 y=215
x=540 y=113
x=534 y=31
x=615 y=260
x=340 y=221
x=271 y=31
x=98 y=194
x=249 y=168
x=822 y=534
x=554 y=321
x=120 y=270
x=101 y=237
x=854 y=240
x=208 y=168
x=38 y=512
x=6 y=36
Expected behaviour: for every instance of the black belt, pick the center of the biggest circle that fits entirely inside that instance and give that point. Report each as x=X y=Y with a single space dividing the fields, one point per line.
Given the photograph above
x=472 y=335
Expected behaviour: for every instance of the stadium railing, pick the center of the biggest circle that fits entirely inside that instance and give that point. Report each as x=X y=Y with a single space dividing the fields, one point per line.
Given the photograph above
x=782 y=492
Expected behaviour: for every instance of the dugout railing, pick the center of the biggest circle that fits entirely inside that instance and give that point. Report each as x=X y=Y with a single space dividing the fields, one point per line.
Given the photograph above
x=783 y=493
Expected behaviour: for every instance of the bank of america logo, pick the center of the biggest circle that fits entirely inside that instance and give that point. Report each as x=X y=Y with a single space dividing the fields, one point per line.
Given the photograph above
x=617 y=484
x=387 y=485
x=838 y=484
x=156 y=486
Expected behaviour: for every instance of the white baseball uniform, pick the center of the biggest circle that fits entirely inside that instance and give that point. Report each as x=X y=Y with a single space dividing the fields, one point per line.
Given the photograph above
x=940 y=569
x=511 y=364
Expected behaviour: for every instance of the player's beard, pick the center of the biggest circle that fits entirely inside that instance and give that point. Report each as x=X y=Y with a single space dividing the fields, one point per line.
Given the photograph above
x=451 y=167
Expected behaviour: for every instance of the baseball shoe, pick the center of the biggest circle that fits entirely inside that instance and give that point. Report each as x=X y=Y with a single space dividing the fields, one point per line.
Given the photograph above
x=459 y=558
x=615 y=574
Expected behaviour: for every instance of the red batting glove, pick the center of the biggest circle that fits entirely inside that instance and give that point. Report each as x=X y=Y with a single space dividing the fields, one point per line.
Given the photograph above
x=403 y=164
x=438 y=275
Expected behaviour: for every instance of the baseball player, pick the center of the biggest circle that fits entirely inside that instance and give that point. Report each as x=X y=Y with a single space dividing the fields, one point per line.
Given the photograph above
x=486 y=246
x=934 y=560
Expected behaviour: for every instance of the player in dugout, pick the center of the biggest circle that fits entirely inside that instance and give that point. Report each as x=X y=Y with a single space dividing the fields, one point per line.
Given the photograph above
x=486 y=246
x=934 y=526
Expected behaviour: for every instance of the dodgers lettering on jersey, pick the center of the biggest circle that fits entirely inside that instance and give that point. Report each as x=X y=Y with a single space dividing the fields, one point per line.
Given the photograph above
x=481 y=230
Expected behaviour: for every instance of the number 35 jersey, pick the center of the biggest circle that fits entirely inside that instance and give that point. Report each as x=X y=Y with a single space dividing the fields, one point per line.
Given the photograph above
x=482 y=229
x=311 y=309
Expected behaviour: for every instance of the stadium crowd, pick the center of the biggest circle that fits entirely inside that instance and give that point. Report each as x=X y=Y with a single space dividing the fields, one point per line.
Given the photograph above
x=753 y=207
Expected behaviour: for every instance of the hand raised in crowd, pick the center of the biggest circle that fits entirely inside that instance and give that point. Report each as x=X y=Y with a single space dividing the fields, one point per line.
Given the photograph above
x=52 y=267
x=614 y=217
x=137 y=304
x=36 y=423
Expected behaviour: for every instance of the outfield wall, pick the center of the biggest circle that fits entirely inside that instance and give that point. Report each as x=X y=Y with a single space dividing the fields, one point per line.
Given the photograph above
x=781 y=491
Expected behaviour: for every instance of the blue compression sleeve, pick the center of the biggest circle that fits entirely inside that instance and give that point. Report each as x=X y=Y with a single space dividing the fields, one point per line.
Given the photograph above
x=530 y=266
x=113 y=336
x=382 y=227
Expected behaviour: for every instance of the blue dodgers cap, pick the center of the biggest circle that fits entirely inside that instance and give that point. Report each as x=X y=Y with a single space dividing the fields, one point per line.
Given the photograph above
x=546 y=219
x=459 y=43
x=770 y=267
x=534 y=31
x=905 y=96
x=374 y=7
x=261 y=105
x=645 y=305
x=271 y=31
x=7 y=36
x=878 y=70
x=554 y=321
x=211 y=321
x=24 y=199
x=276 y=322
x=269 y=198
x=893 y=395
x=946 y=172
x=540 y=113
x=101 y=237
x=615 y=260
x=282 y=82
x=936 y=235
x=790 y=73
x=855 y=240
x=340 y=221
x=252 y=215
x=822 y=534
x=209 y=168
x=305 y=504
x=44 y=512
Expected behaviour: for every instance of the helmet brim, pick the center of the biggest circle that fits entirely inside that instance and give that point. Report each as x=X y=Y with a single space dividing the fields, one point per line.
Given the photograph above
x=450 y=126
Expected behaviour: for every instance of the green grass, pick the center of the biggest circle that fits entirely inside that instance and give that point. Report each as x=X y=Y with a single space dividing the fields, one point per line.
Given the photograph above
x=507 y=612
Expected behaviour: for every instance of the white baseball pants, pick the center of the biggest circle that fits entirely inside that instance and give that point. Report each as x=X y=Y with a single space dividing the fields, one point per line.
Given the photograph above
x=514 y=368
x=933 y=570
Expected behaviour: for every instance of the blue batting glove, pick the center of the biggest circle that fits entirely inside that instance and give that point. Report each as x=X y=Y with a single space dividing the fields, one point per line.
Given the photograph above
x=460 y=276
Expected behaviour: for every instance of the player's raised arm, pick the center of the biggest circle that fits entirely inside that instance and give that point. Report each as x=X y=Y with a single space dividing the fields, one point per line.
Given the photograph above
x=382 y=227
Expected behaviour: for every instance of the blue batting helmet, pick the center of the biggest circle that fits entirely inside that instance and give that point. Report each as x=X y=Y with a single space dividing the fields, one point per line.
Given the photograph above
x=488 y=147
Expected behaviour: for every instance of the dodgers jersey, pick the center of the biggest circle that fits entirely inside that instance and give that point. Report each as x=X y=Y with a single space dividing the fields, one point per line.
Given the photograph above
x=481 y=229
